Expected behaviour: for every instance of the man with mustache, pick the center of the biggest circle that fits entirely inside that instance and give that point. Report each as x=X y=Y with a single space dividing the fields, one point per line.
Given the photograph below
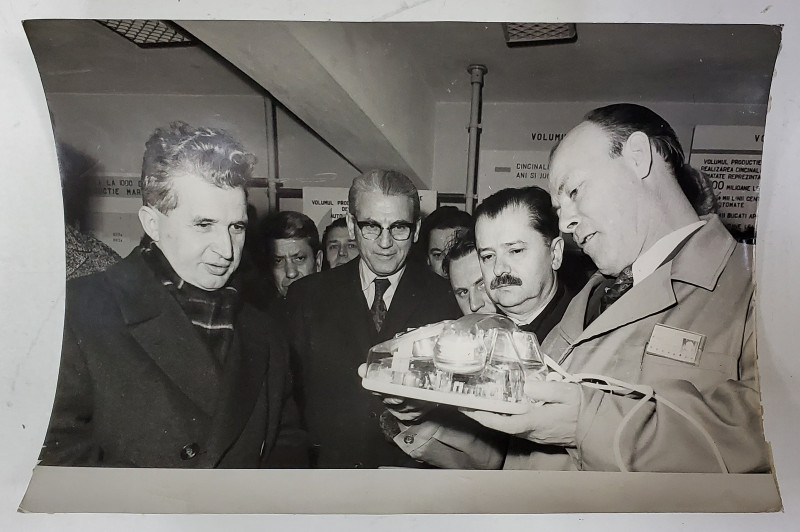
x=520 y=251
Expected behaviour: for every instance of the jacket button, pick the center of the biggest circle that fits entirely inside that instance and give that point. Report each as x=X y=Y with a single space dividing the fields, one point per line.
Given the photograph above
x=409 y=439
x=189 y=451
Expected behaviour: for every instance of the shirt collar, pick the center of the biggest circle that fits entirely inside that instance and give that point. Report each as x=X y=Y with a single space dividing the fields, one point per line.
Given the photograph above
x=650 y=260
x=367 y=276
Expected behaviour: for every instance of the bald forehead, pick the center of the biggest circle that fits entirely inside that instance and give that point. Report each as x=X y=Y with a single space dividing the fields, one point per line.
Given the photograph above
x=585 y=138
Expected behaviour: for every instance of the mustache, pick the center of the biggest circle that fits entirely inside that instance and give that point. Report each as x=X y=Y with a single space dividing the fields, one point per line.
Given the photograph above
x=505 y=279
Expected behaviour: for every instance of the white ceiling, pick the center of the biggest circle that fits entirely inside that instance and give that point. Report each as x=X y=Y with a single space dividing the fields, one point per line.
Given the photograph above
x=648 y=62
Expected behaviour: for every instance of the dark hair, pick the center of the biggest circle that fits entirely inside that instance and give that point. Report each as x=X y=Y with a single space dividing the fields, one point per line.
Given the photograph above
x=211 y=154
x=462 y=246
x=338 y=222
x=389 y=183
x=446 y=217
x=621 y=120
x=289 y=224
x=698 y=190
x=542 y=215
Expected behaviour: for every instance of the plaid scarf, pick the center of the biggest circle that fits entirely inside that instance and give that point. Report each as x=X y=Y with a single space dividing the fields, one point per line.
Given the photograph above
x=211 y=312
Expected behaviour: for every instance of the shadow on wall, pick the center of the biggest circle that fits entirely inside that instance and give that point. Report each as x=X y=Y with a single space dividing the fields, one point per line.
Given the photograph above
x=79 y=172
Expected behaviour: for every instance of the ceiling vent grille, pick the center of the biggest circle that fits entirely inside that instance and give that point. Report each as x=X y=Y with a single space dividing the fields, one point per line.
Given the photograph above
x=150 y=33
x=523 y=33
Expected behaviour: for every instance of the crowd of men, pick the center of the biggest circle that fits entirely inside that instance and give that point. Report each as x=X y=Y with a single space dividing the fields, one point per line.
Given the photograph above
x=172 y=358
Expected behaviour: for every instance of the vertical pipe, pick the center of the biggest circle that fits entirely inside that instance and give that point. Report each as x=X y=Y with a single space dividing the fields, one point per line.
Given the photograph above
x=272 y=154
x=477 y=72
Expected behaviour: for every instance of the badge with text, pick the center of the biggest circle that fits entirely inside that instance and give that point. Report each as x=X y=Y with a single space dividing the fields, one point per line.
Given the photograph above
x=677 y=344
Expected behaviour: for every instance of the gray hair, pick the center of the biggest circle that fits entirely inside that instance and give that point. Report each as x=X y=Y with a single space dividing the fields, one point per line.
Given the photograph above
x=211 y=154
x=389 y=183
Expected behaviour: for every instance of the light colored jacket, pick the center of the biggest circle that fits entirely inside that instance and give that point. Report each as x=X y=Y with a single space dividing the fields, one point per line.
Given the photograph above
x=707 y=289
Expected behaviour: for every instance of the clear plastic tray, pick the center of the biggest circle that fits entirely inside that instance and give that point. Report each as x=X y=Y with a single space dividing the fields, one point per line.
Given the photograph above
x=479 y=362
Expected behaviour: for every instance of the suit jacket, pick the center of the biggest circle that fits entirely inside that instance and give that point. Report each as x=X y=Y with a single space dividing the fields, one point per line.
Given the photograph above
x=332 y=332
x=138 y=387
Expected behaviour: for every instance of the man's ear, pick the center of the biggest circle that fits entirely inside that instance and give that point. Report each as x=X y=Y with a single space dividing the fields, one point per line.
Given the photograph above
x=318 y=262
x=556 y=253
x=416 y=232
x=639 y=154
x=149 y=218
x=351 y=226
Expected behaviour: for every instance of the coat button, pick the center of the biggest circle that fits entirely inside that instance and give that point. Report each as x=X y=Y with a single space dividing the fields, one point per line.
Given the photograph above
x=189 y=451
x=409 y=439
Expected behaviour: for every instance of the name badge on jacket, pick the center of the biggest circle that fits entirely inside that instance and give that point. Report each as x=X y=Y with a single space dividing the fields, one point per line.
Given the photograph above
x=676 y=344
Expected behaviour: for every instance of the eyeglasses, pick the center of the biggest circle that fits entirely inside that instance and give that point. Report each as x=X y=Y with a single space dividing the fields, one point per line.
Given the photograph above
x=398 y=230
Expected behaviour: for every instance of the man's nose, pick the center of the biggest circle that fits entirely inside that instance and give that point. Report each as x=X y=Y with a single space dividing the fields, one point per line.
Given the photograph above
x=343 y=251
x=223 y=244
x=385 y=240
x=567 y=217
x=475 y=299
x=500 y=266
x=290 y=268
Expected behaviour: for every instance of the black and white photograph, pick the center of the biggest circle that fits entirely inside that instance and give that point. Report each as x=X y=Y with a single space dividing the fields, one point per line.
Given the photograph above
x=427 y=266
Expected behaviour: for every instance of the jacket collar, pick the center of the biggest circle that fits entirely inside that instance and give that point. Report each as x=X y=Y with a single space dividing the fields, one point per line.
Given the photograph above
x=159 y=325
x=700 y=263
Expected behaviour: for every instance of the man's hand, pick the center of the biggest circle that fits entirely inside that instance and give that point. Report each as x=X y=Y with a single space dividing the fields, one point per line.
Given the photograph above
x=406 y=411
x=551 y=420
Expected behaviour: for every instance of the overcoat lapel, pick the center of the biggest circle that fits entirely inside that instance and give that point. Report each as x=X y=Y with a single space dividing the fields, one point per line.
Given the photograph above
x=164 y=332
x=652 y=295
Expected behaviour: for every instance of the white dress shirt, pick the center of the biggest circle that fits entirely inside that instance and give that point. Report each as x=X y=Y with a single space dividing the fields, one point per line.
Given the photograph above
x=368 y=286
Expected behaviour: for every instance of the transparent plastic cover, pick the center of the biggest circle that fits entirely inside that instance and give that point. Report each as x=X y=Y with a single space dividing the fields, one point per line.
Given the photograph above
x=479 y=361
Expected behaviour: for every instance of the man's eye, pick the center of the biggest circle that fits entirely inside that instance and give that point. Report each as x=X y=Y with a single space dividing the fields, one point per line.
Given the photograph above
x=516 y=251
x=278 y=260
x=300 y=259
x=486 y=257
x=436 y=255
x=352 y=245
x=461 y=293
x=238 y=228
x=333 y=247
x=203 y=225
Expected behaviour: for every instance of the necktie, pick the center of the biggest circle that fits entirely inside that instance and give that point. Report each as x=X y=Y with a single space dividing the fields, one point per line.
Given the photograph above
x=622 y=284
x=378 y=309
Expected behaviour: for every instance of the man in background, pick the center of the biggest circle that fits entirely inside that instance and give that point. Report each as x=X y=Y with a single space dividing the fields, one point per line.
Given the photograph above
x=162 y=365
x=462 y=267
x=339 y=314
x=292 y=246
x=437 y=232
x=337 y=246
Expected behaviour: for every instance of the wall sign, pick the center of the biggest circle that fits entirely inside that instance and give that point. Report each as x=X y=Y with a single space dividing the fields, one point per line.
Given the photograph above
x=325 y=204
x=731 y=157
x=499 y=169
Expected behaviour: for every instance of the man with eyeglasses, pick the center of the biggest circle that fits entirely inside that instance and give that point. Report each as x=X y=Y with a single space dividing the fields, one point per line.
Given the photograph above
x=338 y=314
